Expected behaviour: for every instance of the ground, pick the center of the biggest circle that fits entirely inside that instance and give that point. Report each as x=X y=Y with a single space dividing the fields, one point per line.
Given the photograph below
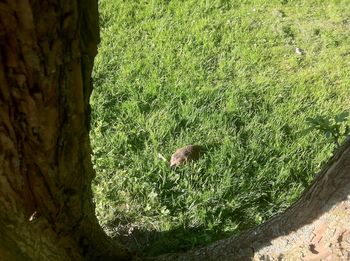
x=237 y=77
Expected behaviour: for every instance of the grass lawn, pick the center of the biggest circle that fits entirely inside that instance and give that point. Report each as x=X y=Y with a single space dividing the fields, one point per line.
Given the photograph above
x=225 y=75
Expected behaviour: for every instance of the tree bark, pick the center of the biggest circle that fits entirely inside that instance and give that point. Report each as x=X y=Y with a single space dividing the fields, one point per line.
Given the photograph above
x=46 y=58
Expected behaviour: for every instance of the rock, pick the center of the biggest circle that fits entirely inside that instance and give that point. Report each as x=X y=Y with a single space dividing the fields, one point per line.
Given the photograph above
x=299 y=51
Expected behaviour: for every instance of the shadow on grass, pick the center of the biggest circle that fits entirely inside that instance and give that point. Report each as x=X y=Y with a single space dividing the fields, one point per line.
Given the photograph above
x=153 y=243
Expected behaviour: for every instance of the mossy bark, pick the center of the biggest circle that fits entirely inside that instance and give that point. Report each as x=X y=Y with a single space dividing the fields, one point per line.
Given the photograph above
x=46 y=57
x=46 y=210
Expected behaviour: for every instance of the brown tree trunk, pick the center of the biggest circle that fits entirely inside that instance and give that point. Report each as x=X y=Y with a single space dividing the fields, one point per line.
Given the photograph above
x=47 y=50
x=46 y=211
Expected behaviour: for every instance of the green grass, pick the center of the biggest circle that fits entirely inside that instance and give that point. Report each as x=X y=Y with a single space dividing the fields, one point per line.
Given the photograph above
x=225 y=75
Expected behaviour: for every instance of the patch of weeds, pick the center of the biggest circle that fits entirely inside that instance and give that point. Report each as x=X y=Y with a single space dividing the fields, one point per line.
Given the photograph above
x=334 y=128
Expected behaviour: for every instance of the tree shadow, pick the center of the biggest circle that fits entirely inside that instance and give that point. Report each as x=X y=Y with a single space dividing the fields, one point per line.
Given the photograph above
x=145 y=243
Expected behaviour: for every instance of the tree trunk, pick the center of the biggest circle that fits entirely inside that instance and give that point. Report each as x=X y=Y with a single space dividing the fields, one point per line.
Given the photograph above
x=46 y=57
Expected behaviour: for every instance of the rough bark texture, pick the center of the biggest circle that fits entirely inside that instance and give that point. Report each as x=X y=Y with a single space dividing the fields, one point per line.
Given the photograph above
x=46 y=211
x=46 y=56
x=316 y=227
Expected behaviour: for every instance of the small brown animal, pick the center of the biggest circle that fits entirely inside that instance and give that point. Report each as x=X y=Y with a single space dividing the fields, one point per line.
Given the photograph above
x=185 y=154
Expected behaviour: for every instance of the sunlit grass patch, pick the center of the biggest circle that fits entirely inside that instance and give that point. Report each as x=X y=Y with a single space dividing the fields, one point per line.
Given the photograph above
x=223 y=74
